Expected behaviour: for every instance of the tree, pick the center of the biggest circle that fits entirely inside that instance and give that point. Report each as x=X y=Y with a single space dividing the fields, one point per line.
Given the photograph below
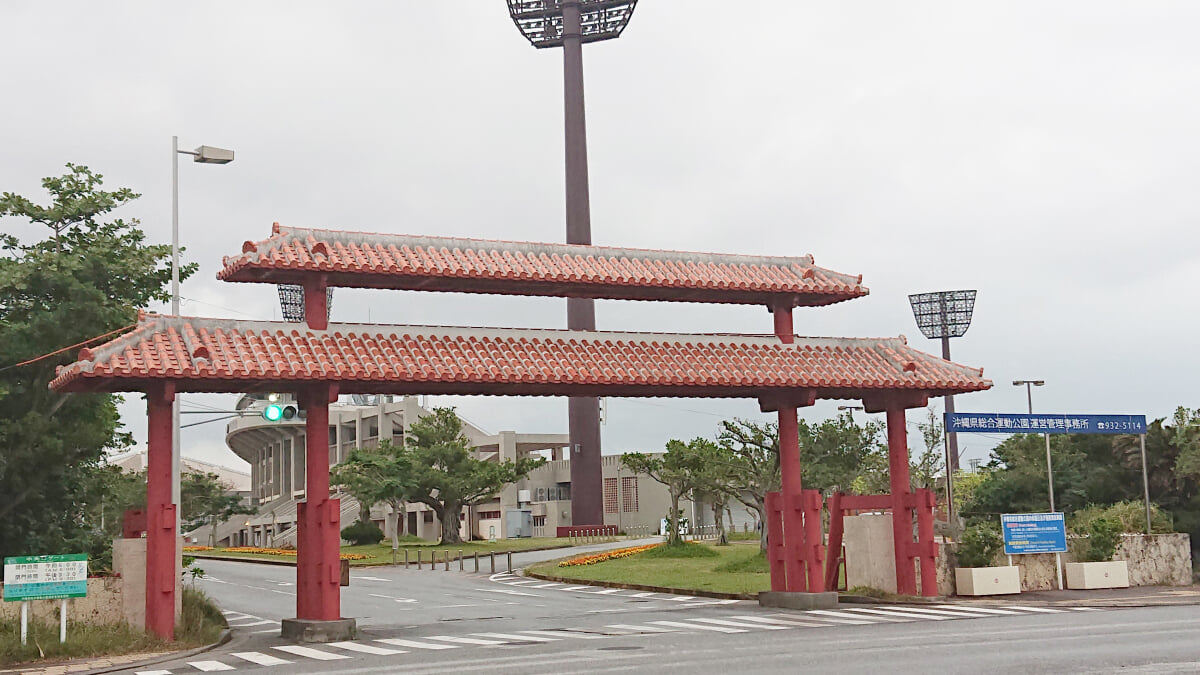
x=204 y=499
x=87 y=280
x=374 y=476
x=681 y=469
x=925 y=467
x=752 y=452
x=436 y=467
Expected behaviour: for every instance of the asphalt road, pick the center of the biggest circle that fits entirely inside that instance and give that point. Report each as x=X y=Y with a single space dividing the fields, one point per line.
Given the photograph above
x=438 y=622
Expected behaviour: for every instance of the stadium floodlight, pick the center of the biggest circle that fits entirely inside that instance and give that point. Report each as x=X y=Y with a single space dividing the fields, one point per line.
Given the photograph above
x=541 y=21
x=945 y=314
x=291 y=302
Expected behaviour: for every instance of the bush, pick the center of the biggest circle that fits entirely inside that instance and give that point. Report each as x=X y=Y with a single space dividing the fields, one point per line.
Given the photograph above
x=980 y=544
x=362 y=534
x=200 y=622
x=1101 y=543
x=1131 y=516
x=680 y=550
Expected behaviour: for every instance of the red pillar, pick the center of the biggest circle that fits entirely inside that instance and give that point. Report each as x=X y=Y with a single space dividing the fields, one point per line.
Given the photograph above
x=925 y=502
x=793 y=523
x=160 y=515
x=316 y=303
x=318 y=565
x=902 y=533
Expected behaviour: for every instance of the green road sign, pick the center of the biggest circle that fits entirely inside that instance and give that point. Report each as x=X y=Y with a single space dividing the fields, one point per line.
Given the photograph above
x=45 y=577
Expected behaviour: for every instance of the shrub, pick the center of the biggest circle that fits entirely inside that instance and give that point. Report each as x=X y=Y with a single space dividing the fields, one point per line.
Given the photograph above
x=361 y=534
x=681 y=550
x=1131 y=516
x=1101 y=543
x=980 y=544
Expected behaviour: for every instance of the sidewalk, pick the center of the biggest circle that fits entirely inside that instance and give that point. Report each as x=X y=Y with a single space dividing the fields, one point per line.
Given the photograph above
x=1140 y=596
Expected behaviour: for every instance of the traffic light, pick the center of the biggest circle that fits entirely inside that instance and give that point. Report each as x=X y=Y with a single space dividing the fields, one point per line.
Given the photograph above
x=279 y=412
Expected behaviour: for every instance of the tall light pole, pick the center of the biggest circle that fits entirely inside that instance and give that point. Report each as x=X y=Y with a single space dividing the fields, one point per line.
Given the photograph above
x=944 y=315
x=569 y=24
x=202 y=155
x=1029 y=385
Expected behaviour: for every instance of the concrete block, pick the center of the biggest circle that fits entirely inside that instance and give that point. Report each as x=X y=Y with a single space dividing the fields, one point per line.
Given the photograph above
x=987 y=580
x=1089 y=575
x=802 y=601
x=308 y=630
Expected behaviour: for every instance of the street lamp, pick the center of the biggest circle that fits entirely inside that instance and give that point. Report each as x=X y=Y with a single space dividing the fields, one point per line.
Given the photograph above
x=1029 y=385
x=205 y=154
x=945 y=315
x=569 y=24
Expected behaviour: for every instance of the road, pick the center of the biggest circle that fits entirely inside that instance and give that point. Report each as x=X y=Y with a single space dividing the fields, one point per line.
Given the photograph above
x=436 y=622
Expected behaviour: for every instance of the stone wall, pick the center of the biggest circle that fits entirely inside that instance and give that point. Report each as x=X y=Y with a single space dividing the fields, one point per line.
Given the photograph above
x=1154 y=560
x=104 y=604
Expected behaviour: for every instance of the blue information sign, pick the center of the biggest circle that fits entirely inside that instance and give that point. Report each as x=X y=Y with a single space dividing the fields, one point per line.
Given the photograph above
x=1034 y=533
x=1014 y=423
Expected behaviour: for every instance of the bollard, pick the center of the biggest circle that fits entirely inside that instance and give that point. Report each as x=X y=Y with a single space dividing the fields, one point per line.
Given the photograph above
x=418 y=559
x=509 y=554
x=460 y=560
x=447 y=554
x=493 y=562
x=433 y=561
x=405 y=558
x=477 y=562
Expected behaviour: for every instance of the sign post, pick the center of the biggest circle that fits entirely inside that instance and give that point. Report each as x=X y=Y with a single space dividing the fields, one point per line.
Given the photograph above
x=45 y=577
x=1026 y=533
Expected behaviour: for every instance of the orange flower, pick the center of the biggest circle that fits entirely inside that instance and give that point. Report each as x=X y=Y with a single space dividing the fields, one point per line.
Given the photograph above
x=606 y=555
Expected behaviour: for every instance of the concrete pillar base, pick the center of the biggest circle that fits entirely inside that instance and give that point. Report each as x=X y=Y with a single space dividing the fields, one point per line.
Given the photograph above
x=311 y=630
x=789 y=600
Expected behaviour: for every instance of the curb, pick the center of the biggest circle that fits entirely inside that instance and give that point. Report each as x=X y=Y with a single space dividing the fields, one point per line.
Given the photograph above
x=226 y=636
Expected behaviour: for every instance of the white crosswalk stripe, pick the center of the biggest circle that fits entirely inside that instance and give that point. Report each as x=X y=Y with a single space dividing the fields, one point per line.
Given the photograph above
x=209 y=666
x=263 y=622
x=693 y=626
x=845 y=617
x=565 y=634
x=794 y=623
x=982 y=610
x=957 y=613
x=366 y=649
x=260 y=658
x=1044 y=610
x=311 y=653
x=466 y=640
x=509 y=637
x=641 y=629
x=413 y=644
x=738 y=624
x=882 y=612
x=153 y=672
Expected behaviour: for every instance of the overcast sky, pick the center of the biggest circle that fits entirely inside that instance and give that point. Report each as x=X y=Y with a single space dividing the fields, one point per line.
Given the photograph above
x=1044 y=153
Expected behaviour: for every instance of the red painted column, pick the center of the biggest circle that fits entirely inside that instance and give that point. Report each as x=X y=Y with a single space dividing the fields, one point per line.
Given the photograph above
x=925 y=502
x=318 y=595
x=160 y=515
x=793 y=523
x=906 y=576
x=316 y=304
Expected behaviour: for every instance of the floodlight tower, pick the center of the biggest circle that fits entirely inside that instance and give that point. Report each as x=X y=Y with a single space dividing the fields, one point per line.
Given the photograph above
x=569 y=24
x=945 y=315
x=291 y=302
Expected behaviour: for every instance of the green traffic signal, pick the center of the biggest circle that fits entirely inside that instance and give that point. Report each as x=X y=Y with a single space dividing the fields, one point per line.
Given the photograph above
x=273 y=412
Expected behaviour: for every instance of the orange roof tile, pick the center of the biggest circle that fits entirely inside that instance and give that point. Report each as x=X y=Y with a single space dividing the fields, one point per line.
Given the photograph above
x=395 y=261
x=234 y=356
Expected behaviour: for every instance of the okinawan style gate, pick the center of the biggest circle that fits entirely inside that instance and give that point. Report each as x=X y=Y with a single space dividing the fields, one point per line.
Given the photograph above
x=163 y=355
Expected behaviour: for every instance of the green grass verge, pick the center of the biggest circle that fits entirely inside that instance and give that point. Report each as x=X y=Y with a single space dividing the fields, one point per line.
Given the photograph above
x=744 y=536
x=692 y=573
x=200 y=625
x=684 y=550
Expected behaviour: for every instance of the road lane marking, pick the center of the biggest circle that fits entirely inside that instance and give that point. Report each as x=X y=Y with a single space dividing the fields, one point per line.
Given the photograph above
x=681 y=598
x=845 y=617
x=574 y=588
x=694 y=626
x=739 y=624
x=209 y=666
x=607 y=591
x=465 y=640
x=260 y=658
x=515 y=638
x=521 y=582
x=564 y=633
x=389 y=597
x=413 y=644
x=1044 y=610
x=958 y=614
x=985 y=610
x=153 y=672
x=641 y=629
x=366 y=649
x=371 y=579
x=892 y=613
x=1085 y=609
x=637 y=595
x=311 y=653
x=264 y=622
x=546 y=585
x=508 y=592
x=782 y=622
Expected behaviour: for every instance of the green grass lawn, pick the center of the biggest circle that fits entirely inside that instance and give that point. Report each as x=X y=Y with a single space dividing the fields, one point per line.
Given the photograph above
x=382 y=552
x=734 y=569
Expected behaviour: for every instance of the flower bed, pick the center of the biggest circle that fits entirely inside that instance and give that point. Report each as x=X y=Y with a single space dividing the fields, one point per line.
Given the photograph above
x=594 y=558
x=288 y=552
x=194 y=549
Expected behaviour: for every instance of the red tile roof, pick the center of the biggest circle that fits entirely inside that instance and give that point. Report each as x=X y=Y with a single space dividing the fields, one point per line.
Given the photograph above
x=394 y=261
x=234 y=356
